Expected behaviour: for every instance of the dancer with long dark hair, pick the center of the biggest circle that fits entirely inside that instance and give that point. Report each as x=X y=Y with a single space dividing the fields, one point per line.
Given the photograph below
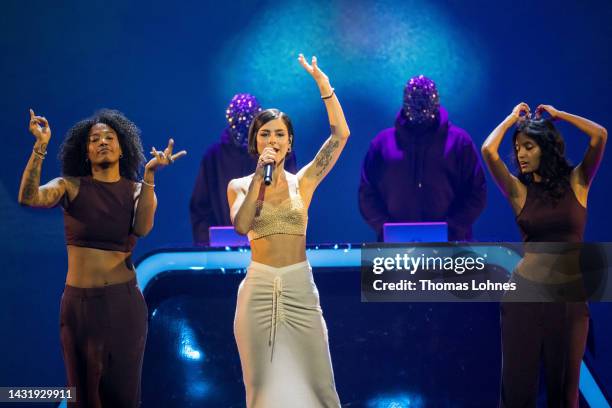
x=549 y=198
x=279 y=326
x=103 y=317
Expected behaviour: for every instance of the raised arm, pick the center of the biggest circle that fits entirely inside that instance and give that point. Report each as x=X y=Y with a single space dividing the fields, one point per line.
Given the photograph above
x=597 y=134
x=507 y=183
x=312 y=174
x=146 y=203
x=31 y=193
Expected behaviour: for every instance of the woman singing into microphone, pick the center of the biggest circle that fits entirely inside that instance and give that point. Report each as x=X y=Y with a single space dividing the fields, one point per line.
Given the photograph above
x=279 y=326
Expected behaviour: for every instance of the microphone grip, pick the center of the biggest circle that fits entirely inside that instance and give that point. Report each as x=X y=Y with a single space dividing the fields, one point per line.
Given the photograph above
x=268 y=168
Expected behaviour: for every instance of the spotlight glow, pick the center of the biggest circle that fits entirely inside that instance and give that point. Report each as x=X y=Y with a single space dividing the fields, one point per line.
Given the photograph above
x=370 y=48
x=401 y=400
x=188 y=348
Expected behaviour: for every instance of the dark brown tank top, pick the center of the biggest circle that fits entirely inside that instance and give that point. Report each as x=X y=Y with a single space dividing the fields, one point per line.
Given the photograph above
x=544 y=221
x=101 y=215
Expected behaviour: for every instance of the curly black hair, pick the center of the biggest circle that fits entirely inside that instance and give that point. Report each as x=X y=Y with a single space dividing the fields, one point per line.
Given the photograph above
x=73 y=151
x=554 y=167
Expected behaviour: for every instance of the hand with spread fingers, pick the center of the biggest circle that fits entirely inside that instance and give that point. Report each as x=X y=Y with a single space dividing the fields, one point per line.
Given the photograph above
x=39 y=127
x=163 y=158
x=319 y=76
x=554 y=113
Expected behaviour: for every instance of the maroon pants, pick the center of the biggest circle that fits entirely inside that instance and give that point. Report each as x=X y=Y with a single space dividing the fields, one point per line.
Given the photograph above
x=103 y=333
x=554 y=333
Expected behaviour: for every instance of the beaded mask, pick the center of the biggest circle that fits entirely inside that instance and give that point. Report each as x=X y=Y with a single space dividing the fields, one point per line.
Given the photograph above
x=421 y=102
x=239 y=114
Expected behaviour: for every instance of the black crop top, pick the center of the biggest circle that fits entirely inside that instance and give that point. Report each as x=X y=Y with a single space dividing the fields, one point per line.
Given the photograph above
x=101 y=215
x=544 y=221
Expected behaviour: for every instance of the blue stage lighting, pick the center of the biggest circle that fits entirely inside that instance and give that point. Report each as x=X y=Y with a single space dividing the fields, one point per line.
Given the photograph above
x=400 y=400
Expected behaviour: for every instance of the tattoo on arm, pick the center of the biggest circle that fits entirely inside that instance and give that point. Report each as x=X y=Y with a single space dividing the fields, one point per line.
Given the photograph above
x=31 y=179
x=49 y=196
x=32 y=193
x=325 y=156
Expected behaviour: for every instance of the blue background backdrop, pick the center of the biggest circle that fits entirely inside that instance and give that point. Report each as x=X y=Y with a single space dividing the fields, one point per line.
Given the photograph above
x=172 y=69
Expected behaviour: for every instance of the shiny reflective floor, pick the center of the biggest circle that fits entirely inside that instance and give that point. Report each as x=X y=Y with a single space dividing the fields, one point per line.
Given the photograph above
x=390 y=355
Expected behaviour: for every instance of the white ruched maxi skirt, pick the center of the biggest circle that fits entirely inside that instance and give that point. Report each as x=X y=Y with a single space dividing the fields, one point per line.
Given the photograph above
x=282 y=339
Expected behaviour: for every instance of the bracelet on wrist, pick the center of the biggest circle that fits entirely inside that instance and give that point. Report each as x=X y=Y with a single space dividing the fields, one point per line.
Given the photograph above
x=152 y=185
x=39 y=153
x=330 y=94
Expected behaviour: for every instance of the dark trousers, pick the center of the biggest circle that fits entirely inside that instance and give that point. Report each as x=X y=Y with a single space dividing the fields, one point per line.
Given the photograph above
x=103 y=333
x=554 y=333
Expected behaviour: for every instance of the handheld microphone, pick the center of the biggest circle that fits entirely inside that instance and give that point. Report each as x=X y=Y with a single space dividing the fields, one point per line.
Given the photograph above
x=268 y=168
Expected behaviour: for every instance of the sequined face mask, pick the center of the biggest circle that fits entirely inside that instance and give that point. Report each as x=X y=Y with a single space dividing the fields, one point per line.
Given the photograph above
x=421 y=102
x=239 y=114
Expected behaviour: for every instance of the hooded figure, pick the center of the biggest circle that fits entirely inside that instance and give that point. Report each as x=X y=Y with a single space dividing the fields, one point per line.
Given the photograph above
x=223 y=161
x=424 y=169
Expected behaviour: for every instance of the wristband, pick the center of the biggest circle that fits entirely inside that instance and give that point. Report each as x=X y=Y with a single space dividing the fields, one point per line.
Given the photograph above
x=330 y=95
x=39 y=153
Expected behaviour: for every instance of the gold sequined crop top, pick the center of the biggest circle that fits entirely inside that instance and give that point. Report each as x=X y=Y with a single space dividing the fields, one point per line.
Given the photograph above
x=289 y=217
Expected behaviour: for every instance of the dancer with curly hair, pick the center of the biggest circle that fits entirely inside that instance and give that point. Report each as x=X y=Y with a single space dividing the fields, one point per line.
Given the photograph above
x=103 y=316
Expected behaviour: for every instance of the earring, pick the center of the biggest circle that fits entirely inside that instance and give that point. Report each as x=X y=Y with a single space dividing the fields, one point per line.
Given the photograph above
x=121 y=156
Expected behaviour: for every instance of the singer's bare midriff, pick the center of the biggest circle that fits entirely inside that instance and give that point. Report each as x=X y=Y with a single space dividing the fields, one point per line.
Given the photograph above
x=279 y=250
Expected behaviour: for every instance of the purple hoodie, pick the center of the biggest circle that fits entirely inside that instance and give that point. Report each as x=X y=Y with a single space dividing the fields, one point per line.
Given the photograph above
x=433 y=176
x=222 y=162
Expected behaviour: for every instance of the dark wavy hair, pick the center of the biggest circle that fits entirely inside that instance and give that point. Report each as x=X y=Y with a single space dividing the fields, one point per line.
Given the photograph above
x=73 y=151
x=554 y=167
x=261 y=119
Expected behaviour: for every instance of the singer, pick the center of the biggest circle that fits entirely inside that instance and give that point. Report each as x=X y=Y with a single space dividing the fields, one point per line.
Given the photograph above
x=279 y=326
